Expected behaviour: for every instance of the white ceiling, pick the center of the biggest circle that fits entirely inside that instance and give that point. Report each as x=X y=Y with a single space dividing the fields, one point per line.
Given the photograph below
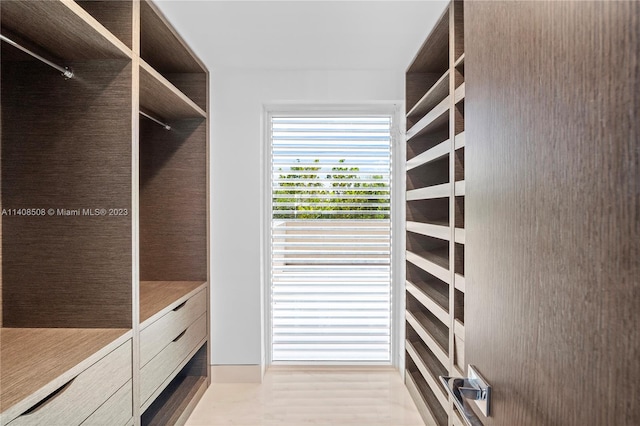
x=321 y=35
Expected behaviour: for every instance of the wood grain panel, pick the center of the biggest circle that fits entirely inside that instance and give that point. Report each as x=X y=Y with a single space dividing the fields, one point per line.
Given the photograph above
x=433 y=55
x=117 y=410
x=164 y=365
x=34 y=360
x=194 y=85
x=159 y=334
x=161 y=46
x=553 y=226
x=173 y=210
x=62 y=28
x=77 y=399
x=162 y=99
x=114 y=15
x=68 y=148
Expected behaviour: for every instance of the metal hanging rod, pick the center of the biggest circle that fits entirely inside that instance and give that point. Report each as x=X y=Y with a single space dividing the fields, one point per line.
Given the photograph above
x=155 y=120
x=66 y=72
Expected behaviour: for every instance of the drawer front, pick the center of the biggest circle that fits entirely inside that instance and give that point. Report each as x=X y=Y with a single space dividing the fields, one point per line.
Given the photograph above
x=83 y=395
x=117 y=411
x=159 y=334
x=162 y=365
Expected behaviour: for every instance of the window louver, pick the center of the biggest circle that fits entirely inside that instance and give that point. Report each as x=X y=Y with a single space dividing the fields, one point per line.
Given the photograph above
x=330 y=238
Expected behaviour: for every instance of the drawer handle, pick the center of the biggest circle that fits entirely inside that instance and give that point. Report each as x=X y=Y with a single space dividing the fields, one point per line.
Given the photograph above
x=179 y=336
x=49 y=398
x=180 y=306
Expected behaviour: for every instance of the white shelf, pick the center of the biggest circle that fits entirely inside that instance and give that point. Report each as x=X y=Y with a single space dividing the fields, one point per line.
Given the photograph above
x=430 y=230
x=433 y=118
x=430 y=192
x=418 y=399
x=459 y=282
x=427 y=265
x=459 y=93
x=428 y=302
x=429 y=155
x=460 y=235
x=428 y=339
x=459 y=141
x=428 y=376
x=460 y=188
x=434 y=95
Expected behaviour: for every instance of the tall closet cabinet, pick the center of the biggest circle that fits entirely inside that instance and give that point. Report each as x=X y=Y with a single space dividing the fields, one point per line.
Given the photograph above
x=105 y=294
x=435 y=234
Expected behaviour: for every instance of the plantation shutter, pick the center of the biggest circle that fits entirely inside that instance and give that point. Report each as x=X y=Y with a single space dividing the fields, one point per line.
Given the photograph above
x=331 y=239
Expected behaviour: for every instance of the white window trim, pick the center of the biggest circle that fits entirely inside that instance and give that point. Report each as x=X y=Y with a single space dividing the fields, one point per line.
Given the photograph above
x=396 y=110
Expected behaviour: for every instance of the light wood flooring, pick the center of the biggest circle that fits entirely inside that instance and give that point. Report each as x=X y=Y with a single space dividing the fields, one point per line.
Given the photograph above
x=331 y=396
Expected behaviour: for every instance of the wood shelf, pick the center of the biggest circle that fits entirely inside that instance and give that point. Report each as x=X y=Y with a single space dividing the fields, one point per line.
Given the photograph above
x=459 y=235
x=438 y=351
x=430 y=230
x=459 y=282
x=435 y=191
x=435 y=153
x=459 y=93
x=160 y=97
x=158 y=297
x=162 y=47
x=63 y=29
x=459 y=141
x=433 y=119
x=433 y=55
x=460 y=188
x=436 y=94
x=459 y=61
x=36 y=361
x=419 y=399
x=429 y=266
x=427 y=374
x=428 y=302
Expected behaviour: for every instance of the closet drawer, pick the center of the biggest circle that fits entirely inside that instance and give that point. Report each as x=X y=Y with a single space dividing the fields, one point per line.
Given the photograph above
x=81 y=396
x=162 y=365
x=117 y=411
x=159 y=334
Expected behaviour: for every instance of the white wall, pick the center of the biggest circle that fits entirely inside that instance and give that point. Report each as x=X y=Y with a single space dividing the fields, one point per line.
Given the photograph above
x=237 y=103
x=265 y=52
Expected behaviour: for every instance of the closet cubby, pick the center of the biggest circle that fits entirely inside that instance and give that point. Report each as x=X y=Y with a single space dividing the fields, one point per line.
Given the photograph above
x=419 y=147
x=433 y=211
x=427 y=363
x=435 y=234
x=62 y=29
x=104 y=232
x=432 y=292
x=432 y=249
x=433 y=331
x=423 y=395
x=163 y=50
x=429 y=174
x=115 y=16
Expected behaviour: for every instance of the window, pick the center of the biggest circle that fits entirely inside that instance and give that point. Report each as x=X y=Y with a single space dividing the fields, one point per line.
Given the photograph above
x=330 y=238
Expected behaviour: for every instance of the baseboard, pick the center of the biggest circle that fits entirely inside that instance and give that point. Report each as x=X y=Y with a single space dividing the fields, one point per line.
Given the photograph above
x=236 y=373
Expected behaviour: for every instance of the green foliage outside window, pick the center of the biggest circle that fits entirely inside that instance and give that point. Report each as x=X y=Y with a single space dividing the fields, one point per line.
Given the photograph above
x=314 y=200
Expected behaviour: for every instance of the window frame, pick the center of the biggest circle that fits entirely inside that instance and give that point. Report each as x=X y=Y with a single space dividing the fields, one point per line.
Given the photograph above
x=395 y=110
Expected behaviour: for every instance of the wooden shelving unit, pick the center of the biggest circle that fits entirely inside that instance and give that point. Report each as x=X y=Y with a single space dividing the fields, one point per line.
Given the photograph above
x=116 y=241
x=435 y=216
